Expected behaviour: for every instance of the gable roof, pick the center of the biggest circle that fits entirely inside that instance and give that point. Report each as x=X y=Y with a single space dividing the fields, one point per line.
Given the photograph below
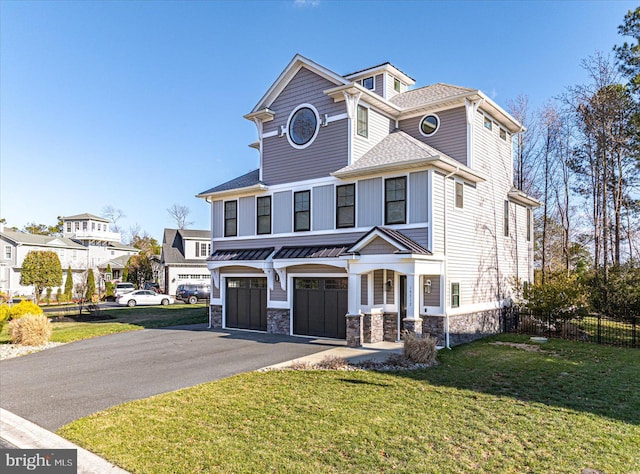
x=173 y=245
x=22 y=238
x=396 y=238
x=399 y=150
x=287 y=74
x=86 y=216
x=249 y=182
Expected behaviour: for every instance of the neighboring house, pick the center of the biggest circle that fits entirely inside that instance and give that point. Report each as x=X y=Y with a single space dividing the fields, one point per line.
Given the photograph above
x=15 y=247
x=376 y=208
x=184 y=258
x=86 y=242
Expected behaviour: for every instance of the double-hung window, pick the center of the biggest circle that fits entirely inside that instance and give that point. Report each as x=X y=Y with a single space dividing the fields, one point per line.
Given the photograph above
x=302 y=211
x=346 y=206
x=230 y=218
x=363 y=121
x=455 y=295
x=395 y=200
x=7 y=252
x=459 y=195
x=263 y=223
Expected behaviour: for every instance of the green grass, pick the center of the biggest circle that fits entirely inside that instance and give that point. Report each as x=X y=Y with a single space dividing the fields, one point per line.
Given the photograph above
x=124 y=319
x=484 y=408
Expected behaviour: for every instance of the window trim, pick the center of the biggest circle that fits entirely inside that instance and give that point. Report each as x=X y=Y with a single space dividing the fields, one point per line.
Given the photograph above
x=295 y=213
x=258 y=215
x=228 y=219
x=386 y=203
x=8 y=252
x=315 y=133
x=373 y=83
x=455 y=194
x=503 y=132
x=488 y=122
x=455 y=296
x=353 y=206
x=397 y=81
x=366 y=124
x=423 y=119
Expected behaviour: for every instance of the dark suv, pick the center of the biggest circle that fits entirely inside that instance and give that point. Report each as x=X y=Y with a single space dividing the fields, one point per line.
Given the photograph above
x=192 y=293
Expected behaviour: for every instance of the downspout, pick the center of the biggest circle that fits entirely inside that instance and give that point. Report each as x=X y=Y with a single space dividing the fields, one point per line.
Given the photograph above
x=446 y=258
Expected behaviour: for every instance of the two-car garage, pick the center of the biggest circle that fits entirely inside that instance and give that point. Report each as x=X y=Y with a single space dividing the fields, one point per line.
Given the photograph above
x=319 y=305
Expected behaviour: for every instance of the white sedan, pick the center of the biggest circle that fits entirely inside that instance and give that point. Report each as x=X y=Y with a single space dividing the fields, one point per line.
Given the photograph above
x=140 y=297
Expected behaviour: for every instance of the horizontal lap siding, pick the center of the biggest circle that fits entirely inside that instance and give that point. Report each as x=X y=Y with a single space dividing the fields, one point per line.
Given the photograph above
x=297 y=240
x=379 y=127
x=437 y=181
x=240 y=269
x=419 y=235
x=432 y=298
x=378 y=246
x=281 y=162
x=278 y=294
x=312 y=269
x=451 y=137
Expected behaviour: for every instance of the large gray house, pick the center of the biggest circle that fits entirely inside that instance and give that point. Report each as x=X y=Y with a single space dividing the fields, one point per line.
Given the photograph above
x=377 y=208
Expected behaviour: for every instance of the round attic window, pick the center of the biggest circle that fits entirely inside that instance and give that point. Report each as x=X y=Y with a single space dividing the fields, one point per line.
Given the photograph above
x=303 y=126
x=429 y=125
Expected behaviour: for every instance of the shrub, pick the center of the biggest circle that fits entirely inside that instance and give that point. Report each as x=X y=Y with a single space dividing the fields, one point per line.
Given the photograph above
x=419 y=348
x=4 y=315
x=562 y=298
x=24 y=308
x=30 y=330
x=59 y=295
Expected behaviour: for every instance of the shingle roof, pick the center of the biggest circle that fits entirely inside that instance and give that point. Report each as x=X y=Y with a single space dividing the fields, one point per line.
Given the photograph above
x=195 y=233
x=428 y=94
x=396 y=148
x=86 y=216
x=173 y=245
x=43 y=240
x=250 y=179
x=240 y=254
x=326 y=251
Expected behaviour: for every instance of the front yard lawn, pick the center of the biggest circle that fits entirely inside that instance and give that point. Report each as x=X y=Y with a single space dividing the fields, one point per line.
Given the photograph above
x=124 y=319
x=485 y=408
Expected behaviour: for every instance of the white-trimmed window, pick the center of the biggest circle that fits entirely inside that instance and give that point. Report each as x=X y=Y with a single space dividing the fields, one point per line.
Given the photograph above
x=396 y=84
x=68 y=226
x=429 y=125
x=302 y=211
x=459 y=197
x=488 y=123
x=263 y=219
x=363 y=121
x=302 y=126
x=455 y=295
x=395 y=200
x=230 y=218
x=503 y=134
x=346 y=206
x=7 y=252
x=369 y=83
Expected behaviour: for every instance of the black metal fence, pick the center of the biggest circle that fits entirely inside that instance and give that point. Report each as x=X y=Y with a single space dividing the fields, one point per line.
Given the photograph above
x=594 y=328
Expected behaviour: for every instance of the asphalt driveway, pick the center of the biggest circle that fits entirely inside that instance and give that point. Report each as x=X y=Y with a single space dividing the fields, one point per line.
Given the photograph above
x=54 y=387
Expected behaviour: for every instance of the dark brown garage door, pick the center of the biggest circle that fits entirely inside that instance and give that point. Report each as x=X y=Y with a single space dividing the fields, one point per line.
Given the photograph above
x=320 y=306
x=246 y=303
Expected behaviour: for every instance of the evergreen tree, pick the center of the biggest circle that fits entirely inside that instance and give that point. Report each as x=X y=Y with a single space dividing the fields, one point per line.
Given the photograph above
x=68 y=285
x=41 y=269
x=91 y=286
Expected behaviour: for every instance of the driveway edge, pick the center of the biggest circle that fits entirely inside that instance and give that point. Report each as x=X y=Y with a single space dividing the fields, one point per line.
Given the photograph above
x=27 y=435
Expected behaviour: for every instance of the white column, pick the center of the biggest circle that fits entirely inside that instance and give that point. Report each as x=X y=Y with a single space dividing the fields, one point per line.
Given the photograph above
x=354 y=293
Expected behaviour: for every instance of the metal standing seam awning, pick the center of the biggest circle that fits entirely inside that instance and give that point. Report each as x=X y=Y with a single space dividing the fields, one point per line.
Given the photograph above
x=255 y=257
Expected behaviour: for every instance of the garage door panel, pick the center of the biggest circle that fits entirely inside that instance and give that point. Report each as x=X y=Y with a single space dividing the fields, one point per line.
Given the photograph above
x=320 y=306
x=246 y=303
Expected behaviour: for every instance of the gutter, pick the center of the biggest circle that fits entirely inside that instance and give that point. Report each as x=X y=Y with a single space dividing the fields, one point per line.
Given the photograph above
x=446 y=258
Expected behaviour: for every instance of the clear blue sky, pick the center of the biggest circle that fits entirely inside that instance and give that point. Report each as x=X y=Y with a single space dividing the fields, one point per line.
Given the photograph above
x=139 y=105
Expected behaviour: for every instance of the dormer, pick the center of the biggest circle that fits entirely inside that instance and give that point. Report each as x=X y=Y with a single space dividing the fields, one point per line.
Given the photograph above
x=385 y=80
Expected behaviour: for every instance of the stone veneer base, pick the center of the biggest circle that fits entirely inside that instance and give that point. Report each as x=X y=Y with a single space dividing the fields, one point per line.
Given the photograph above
x=278 y=321
x=463 y=327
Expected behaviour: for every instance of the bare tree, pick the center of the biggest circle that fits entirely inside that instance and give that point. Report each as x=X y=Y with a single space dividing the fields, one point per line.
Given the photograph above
x=114 y=215
x=179 y=214
x=526 y=166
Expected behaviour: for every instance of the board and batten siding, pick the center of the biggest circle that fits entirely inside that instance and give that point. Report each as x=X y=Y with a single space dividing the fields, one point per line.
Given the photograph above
x=323 y=208
x=379 y=128
x=369 y=202
x=247 y=216
x=451 y=137
x=217 y=219
x=418 y=197
x=282 y=212
x=282 y=163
